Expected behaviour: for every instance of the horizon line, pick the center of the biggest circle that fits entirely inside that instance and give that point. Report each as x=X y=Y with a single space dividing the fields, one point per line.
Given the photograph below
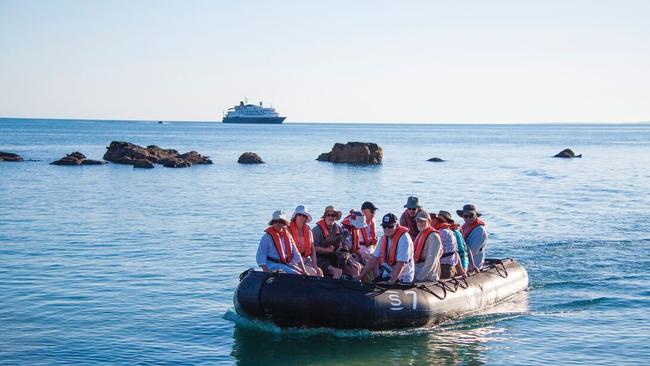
x=333 y=122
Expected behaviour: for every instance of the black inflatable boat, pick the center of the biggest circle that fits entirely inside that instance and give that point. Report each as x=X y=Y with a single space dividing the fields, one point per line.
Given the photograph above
x=303 y=301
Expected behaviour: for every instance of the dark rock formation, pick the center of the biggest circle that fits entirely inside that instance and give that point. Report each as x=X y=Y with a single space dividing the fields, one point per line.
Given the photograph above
x=354 y=153
x=77 y=158
x=5 y=156
x=250 y=158
x=436 y=160
x=142 y=163
x=567 y=154
x=121 y=152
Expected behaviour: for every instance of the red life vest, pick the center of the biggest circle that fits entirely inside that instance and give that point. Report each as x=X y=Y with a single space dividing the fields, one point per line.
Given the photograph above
x=288 y=253
x=420 y=241
x=399 y=231
x=467 y=228
x=372 y=240
x=323 y=227
x=410 y=224
x=304 y=246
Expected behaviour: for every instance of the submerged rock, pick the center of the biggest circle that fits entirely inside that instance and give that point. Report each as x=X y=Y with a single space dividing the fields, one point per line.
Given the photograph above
x=121 y=152
x=436 y=160
x=567 y=154
x=250 y=158
x=5 y=156
x=354 y=153
x=77 y=158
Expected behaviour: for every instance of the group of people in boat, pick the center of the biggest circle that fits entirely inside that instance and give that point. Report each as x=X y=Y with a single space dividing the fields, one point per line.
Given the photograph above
x=419 y=246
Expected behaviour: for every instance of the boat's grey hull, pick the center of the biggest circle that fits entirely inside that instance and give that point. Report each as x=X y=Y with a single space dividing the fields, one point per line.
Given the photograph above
x=260 y=120
x=292 y=300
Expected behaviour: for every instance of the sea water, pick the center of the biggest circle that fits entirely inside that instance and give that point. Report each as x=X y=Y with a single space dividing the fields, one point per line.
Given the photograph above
x=115 y=265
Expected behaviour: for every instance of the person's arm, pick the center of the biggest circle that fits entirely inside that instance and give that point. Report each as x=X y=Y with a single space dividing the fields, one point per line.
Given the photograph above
x=397 y=271
x=472 y=265
x=261 y=254
x=372 y=263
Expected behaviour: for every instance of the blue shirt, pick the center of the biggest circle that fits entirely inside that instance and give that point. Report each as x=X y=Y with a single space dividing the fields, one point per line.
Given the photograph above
x=267 y=250
x=476 y=240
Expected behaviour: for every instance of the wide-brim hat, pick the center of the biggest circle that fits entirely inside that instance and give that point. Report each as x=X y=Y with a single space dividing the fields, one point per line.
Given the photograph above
x=412 y=202
x=355 y=218
x=468 y=208
x=445 y=215
x=301 y=210
x=279 y=215
x=332 y=209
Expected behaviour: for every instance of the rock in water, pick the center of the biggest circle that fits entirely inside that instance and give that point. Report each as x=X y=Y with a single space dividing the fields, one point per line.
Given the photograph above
x=250 y=158
x=77 y=158
x=567 y=154
x=143 y=164
x=121 y=152
x=436 y=160
x=354 y=153
x=5 y=156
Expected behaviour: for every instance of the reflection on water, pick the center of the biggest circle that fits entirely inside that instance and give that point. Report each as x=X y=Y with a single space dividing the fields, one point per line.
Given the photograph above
x=463 y=341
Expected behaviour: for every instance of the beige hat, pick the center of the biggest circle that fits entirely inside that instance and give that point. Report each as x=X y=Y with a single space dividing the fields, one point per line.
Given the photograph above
x=279 y=215
x=422 y=215
x=332 y=209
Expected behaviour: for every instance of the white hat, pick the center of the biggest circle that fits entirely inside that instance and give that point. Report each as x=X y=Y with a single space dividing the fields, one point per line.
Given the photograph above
x=355 y=218
x=279 y=215
x=301 y=210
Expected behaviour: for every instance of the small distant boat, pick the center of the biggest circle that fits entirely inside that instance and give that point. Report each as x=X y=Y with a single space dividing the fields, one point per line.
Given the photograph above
x=290 y=300
x=251 y=113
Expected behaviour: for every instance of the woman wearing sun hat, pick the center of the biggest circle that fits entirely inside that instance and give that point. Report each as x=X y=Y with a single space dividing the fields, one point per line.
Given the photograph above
x=351 y=226
x=327 y=239
x=475 y=234
x=276 y=250
x=302 y=236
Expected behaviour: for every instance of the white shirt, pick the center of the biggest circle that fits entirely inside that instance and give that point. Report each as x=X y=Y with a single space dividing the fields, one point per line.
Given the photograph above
x=404 y=254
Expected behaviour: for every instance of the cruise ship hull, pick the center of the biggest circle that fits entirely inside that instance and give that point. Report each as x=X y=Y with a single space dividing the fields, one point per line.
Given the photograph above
x=259 y=120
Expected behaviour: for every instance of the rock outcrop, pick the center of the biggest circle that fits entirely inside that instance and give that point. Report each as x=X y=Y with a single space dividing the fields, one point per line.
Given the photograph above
x=250 y=158
x=121 y=152
x=436 y=160
x=143 y=164
x=354 y=153
x=77 y=158
x=567 y=154
x=5 y=156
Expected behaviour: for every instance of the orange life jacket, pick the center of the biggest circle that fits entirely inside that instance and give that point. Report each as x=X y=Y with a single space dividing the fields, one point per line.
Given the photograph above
x=304 y=246
x=372 y=240
x=410 y=223
x=467 y=228
x=399 y=231
x=420 y=241
x=288 y=252
x=323 y=227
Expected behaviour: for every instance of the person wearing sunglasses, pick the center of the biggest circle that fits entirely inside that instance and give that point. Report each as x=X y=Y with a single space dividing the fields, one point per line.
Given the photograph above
x=407 y=219
x=393 y=254
x=427 y=250
x=327 y=241
x=277 y=250
x=450 y=264
x=475 y=235
x=302 y=236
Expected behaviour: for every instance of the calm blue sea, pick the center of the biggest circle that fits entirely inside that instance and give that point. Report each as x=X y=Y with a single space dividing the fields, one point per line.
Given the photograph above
x=115 y=265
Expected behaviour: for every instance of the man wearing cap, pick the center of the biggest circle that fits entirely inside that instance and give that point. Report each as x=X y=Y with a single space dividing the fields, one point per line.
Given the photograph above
x=475 y=234
x=327 y=239
x=369 y=232
x=407 y=219
x=393 y=254
x=276 y=250
x=427 y=250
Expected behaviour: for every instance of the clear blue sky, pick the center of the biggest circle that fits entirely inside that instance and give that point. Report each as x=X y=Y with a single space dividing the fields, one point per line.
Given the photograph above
x=328 y=61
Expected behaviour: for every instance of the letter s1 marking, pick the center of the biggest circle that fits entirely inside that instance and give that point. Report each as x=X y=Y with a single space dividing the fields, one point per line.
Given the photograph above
x=415 y=298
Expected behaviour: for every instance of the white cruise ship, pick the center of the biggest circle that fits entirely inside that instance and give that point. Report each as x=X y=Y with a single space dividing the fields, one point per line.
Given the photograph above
x=251 y=113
